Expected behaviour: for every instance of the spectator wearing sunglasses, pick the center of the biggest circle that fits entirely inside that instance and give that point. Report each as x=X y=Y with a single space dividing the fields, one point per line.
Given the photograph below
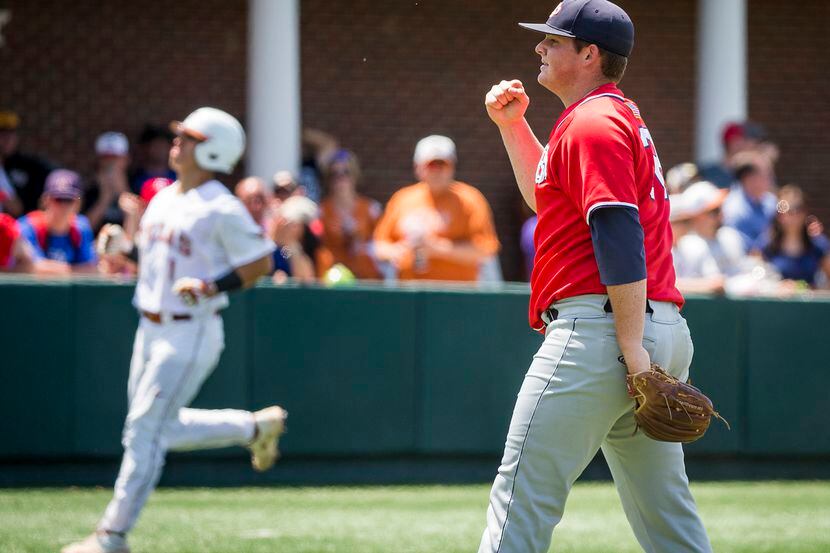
x=348 y=218
x=285 y=186
x=439 y=228
x=58 y=232
x=790 y=245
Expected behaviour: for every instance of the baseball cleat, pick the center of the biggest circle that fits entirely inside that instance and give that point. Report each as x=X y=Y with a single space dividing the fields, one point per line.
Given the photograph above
x=98 y=544
x=270 y=425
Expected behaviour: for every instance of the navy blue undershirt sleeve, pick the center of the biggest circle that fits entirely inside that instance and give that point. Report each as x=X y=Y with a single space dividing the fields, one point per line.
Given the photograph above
x=618 y=245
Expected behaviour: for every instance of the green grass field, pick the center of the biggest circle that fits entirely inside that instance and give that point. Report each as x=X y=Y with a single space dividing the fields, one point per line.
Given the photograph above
x=774 y=517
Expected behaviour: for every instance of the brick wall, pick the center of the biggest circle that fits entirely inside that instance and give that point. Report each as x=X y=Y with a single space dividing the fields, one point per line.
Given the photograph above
x=789 y=78
x=380 y=75
x=75 y=69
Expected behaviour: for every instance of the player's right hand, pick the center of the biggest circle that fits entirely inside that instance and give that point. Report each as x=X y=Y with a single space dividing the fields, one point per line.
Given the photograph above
x=507 y=102
x=191 y=290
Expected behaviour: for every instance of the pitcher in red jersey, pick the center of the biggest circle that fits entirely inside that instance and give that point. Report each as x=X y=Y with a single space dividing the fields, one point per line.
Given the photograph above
x=602 y=291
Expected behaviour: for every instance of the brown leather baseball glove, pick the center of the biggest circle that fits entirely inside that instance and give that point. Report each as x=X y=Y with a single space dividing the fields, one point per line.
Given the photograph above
x=669 y=410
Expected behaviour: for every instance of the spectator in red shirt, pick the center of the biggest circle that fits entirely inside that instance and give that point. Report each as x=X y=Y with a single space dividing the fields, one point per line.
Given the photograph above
x=15 y=253
x=18 y=256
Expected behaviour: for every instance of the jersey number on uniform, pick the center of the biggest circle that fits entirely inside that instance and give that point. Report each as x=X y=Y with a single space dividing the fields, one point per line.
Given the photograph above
x=542 y=167
x=648 y=142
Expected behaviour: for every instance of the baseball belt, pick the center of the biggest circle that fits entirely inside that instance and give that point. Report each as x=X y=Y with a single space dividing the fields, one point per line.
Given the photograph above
x=158 y=319
x=550 y=314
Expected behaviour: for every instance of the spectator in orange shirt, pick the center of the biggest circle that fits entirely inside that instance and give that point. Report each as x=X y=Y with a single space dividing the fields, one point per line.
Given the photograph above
x=439 y=228
x=348 y=218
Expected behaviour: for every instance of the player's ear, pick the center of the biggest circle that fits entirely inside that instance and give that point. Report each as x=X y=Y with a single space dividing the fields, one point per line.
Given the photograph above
x=591 y=52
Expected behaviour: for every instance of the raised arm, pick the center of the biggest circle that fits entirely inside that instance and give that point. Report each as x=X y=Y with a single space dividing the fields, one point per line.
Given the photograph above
x=506 y=105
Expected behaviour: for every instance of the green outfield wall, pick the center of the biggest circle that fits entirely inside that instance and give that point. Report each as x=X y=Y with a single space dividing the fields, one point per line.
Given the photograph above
x=377 y=371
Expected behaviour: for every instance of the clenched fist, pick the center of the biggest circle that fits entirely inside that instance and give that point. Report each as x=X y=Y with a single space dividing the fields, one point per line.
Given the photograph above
x=507 y=102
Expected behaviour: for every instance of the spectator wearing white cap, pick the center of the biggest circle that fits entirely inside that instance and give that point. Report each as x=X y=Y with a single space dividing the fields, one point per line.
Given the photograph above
x=439 y=228
x=102 y=194
x=681 y=227
x=681 y=176
x=679 y=221
x=709 y=250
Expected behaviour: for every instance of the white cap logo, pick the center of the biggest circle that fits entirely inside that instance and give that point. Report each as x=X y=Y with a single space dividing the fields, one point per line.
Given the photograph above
x=556 y=10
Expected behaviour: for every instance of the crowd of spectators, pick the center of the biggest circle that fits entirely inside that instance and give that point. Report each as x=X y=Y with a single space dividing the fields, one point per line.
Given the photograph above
x=735 y=231
x=324 y=229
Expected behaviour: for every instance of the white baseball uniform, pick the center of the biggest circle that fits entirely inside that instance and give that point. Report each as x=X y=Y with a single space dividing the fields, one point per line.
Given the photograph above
x=203 y=233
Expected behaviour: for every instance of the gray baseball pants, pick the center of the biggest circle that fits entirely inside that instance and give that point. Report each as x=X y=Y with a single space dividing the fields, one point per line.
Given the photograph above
x=573 y=401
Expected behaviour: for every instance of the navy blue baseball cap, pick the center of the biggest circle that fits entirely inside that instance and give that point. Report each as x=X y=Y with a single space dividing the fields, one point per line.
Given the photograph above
x=63 y=184
x=596 y=21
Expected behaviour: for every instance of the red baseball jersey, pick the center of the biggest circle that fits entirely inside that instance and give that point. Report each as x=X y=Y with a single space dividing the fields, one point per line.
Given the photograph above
x=600 y=154
x=9 y=231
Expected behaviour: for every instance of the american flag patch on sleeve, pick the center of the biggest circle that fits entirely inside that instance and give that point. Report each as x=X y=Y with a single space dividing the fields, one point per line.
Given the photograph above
x=634 y=109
